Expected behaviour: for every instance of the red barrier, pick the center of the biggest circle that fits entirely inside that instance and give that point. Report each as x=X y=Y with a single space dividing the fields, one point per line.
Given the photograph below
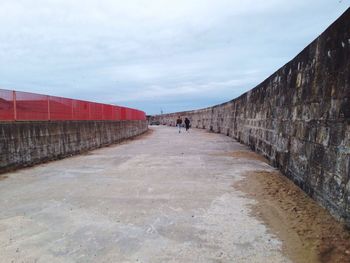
x=7 y=107
x=60 y=108
x=31 y=106
x=25 y=106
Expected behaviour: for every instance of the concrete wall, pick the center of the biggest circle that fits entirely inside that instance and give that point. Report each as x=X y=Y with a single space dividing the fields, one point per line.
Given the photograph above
x=298 y=118
x=27 y=143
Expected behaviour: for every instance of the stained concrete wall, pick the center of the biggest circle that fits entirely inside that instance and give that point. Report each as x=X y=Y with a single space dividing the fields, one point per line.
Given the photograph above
x=27 y=143
x=298 y=118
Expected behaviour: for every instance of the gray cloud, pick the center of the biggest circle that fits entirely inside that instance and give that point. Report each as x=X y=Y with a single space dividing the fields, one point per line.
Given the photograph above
x=153 y=54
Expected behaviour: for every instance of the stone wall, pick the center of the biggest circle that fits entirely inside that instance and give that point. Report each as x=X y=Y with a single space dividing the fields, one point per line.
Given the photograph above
x=27 y=143
x=298 y=118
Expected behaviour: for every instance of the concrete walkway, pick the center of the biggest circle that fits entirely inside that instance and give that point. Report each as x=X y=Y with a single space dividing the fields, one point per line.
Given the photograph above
x=166 y=197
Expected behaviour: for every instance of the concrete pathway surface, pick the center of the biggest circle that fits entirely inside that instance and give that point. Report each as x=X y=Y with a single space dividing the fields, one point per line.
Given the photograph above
x=165 y=197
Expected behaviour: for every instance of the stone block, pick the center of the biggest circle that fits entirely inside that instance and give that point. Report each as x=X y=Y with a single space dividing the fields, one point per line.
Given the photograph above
x=337 y=133
x=323 y=135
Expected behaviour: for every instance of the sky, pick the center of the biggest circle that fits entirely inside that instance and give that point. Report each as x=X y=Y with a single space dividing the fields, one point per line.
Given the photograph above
x=155 y=55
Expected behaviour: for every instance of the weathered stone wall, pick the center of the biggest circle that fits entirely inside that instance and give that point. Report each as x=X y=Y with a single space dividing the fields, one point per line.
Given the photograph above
x=298 y=118
x=27 y=143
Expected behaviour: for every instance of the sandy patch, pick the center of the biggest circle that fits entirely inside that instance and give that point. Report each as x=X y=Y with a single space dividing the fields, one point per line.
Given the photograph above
x=309 y=233
x=2 y=177
x=244 y=155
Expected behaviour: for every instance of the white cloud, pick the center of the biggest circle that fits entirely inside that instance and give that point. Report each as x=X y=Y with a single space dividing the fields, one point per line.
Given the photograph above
x=126 y=51
x=186 y=89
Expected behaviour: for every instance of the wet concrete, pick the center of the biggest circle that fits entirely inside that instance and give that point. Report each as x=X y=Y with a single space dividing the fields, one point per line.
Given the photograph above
x=167 y=197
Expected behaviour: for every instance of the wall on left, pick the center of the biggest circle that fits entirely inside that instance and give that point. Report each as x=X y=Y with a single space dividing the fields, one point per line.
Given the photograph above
x=27 y=143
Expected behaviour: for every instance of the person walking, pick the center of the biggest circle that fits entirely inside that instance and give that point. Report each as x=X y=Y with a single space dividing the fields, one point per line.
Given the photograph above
x=178 y=123
x=187 y=124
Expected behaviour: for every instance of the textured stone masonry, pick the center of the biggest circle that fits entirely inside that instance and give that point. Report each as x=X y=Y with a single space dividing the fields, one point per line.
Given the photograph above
x=298 y=118
x=27 y=143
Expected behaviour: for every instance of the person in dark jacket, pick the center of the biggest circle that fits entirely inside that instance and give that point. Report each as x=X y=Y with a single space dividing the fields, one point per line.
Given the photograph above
x=187 y=124
x=178 y=123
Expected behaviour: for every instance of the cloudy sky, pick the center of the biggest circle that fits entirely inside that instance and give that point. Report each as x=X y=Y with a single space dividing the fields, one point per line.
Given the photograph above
x=154 y=54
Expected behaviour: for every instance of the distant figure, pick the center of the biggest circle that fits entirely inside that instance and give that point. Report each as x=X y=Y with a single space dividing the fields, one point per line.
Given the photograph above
x=187 y=124
x=178 y=123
